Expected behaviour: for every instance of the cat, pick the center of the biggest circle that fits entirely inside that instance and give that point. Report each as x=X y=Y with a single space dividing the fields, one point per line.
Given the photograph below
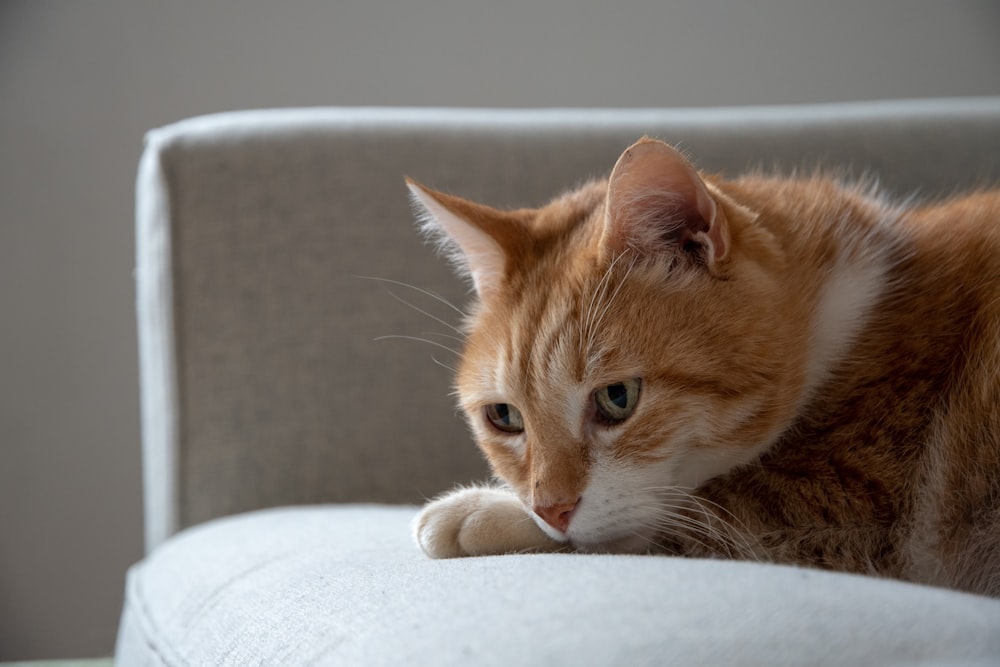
x=784 y=369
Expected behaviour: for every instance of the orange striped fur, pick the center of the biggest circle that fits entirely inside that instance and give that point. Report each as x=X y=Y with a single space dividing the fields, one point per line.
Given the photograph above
x=814 y=373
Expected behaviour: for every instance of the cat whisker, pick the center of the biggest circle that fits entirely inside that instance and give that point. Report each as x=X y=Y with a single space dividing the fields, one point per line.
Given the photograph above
x=614 y=295
x=703 y=529
x=713 y=526
x=688 y=532
x=601 y=285
x=436 y=297
x=458 y=339
x=595 y=298
x=418 y=338
x=461 y=334
x=728 y=518
x=604 y=304
x=440 y=363
x=671 y=516
x=734 y=525
x=423 y=312
x=599 y=307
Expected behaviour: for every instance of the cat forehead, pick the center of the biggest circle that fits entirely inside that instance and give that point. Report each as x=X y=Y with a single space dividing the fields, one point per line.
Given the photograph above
x=564 y=261
x=557 y=338
x=582 y=207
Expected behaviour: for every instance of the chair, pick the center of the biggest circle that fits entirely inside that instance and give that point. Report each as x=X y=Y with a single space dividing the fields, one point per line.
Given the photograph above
x=291 y=420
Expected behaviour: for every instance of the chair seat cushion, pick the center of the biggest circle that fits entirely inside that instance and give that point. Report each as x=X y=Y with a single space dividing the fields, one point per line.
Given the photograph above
x=345 y=585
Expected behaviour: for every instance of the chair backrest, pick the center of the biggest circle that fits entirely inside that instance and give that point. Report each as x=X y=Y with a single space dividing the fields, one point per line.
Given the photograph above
x=270 y=244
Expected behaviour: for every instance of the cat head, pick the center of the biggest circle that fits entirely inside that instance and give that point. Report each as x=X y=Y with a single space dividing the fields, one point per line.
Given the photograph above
x=623 y=346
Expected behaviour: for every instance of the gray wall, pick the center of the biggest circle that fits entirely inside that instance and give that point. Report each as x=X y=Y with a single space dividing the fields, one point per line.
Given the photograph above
x=81 y=80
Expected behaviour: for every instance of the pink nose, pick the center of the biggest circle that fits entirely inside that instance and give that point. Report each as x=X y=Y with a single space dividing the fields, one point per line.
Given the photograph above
x=557 y=516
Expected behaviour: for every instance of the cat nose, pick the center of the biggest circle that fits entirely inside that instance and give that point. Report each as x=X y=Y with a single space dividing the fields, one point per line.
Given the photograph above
x=557 y=516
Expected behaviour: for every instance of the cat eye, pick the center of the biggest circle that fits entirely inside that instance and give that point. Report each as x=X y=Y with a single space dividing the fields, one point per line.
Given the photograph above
x=617 y=401
x=505 y=417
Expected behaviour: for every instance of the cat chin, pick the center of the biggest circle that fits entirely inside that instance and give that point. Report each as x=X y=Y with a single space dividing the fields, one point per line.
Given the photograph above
x=632 y=543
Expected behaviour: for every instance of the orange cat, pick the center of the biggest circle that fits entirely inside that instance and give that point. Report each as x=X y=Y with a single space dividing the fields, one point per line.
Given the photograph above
x=788 y=370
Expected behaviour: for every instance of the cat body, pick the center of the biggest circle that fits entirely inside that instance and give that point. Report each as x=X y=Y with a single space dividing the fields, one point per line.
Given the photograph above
x=782 y=369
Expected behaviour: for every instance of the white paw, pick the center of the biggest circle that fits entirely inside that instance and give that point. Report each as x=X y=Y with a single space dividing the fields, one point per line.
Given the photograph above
x=478 y=521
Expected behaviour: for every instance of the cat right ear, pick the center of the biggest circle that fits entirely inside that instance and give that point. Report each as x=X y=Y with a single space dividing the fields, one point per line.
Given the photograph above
x=657 y=202
x=470 y=235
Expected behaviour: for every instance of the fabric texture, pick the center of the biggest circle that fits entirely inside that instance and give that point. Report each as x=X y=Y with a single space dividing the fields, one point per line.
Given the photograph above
x=280 y=366
x=263 y=383
x=344 y=585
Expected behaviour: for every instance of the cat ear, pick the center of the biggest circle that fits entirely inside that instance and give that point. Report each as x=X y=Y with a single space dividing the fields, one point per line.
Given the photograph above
x=658 y=202
x=470 y=234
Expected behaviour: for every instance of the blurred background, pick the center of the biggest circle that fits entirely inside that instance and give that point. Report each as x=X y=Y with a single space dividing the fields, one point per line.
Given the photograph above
x=82 y=80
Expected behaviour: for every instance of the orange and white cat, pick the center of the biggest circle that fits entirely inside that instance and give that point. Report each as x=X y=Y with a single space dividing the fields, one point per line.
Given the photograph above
x=781 y=369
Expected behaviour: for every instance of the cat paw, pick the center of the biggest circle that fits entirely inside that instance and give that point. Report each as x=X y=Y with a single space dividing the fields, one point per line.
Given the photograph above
x=478 y=521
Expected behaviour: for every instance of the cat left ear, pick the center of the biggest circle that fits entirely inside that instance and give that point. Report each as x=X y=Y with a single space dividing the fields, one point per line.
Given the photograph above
x=470 y=234
x=657 y=202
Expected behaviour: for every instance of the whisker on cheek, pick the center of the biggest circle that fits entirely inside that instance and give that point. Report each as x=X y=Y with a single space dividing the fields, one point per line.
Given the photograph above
x=418 y=339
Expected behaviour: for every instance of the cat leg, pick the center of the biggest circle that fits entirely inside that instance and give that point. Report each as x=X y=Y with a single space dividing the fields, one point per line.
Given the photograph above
x=478 y=521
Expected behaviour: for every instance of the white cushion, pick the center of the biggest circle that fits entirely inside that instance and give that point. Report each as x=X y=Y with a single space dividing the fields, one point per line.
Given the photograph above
x=344 y=585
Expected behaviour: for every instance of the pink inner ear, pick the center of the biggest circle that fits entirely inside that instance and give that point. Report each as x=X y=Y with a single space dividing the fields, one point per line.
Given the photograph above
x=656 y=219
x=657 y=201
x=468 y=245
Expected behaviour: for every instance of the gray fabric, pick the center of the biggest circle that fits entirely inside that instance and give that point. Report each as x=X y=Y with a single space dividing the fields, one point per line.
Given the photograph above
x=262 y=383
x=344 y=586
